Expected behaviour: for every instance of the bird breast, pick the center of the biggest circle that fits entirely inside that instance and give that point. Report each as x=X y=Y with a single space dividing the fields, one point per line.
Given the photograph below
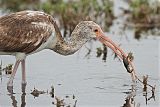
x=50 y=43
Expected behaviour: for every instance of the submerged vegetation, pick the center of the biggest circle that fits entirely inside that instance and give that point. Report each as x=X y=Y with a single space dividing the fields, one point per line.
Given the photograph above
x=67 y=101
x=7 y=69
x=37 y=92
x=102 y=52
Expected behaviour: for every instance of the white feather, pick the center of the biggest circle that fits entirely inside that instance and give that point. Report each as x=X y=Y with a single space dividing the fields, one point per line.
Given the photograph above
x=51 y=42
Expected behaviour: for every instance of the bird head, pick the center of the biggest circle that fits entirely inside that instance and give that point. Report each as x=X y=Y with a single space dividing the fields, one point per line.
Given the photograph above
x=91 y=30
x=87 y=29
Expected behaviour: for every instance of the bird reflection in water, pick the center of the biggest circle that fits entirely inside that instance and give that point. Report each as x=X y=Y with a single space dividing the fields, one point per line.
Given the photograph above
x=145 y=91
x=130 y=99
x=13 y=98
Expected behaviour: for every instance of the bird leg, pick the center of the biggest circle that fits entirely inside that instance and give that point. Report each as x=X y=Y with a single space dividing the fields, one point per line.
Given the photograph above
x=23 y=72
x=10 y=82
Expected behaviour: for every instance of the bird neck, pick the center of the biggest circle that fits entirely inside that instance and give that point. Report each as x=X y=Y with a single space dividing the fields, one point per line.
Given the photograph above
x=71 y=45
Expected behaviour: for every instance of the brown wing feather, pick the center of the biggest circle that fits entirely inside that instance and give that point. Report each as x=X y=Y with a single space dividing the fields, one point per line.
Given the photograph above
x=24 y=31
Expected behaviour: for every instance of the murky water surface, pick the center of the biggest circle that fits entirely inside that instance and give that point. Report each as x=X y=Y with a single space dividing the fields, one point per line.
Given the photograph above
x=90 y=80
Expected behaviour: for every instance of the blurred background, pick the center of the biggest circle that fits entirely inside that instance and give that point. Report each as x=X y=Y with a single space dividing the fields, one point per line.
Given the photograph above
x=142 y=15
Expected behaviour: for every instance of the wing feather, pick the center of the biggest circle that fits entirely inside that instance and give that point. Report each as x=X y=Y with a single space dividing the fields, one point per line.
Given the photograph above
x=24 y=31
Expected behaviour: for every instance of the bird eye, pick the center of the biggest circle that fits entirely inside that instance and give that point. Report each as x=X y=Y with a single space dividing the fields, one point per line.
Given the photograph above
x=95 y=30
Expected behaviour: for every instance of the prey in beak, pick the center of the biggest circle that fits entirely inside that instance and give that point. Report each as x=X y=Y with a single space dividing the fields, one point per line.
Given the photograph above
x=126 y=62
x=127 y=59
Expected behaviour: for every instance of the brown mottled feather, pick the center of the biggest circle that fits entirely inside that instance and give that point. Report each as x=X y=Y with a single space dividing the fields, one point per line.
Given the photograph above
x=18 y=33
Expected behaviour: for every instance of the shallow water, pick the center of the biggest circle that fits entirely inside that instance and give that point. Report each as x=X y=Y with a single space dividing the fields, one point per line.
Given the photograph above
x=92 y=81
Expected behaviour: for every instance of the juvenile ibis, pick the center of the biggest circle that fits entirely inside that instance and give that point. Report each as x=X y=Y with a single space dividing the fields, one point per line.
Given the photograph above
x=27 y=32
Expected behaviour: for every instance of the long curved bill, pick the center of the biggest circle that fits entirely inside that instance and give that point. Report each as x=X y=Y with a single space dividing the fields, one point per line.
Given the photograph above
x=119 y=52
x=108 y=42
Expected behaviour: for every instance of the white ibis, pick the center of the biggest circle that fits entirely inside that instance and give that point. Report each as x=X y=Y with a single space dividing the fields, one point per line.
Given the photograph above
x=27 y=32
